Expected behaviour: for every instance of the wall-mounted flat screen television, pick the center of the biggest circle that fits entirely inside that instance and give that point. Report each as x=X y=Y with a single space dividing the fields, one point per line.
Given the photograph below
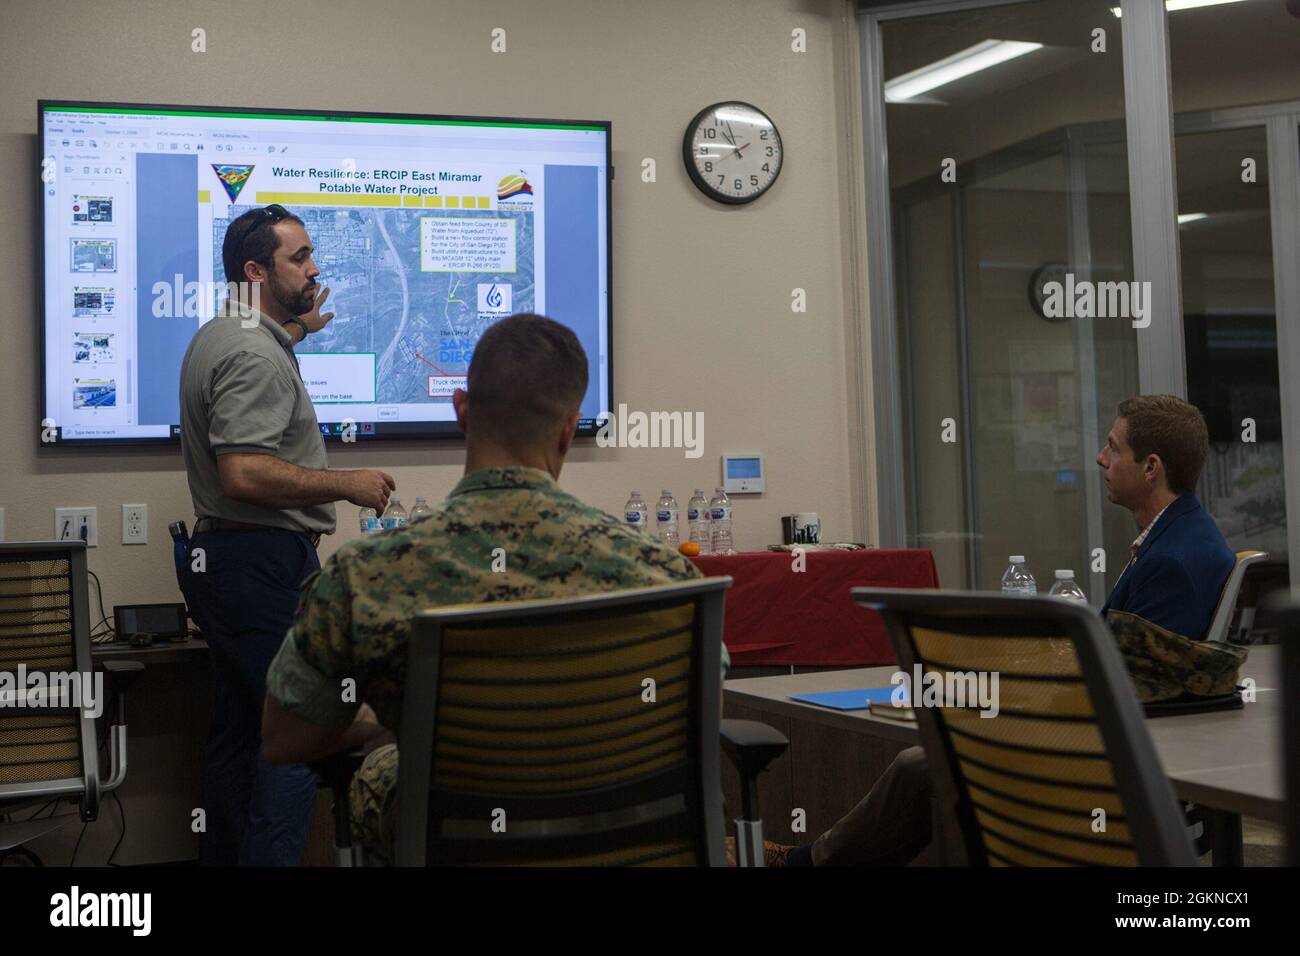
x=427 y=229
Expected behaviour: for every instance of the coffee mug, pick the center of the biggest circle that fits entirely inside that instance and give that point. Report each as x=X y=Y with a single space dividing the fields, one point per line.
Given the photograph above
x=807 y=528
x=803 y=528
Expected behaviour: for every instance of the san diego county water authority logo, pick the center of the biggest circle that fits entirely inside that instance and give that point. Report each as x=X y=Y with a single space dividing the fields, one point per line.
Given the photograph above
x=495 y=300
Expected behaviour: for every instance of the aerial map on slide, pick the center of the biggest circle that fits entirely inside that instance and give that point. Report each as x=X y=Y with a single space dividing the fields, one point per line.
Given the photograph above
x=414 y=287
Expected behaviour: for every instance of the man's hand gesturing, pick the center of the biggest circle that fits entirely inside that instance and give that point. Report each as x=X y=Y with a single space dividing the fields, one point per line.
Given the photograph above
x=314 y=320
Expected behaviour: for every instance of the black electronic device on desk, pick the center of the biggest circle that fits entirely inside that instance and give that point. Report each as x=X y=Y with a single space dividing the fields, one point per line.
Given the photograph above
x=143 y=625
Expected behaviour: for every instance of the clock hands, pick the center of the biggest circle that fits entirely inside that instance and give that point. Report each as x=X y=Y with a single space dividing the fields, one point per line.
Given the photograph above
x=713 y=136
x=731 y=138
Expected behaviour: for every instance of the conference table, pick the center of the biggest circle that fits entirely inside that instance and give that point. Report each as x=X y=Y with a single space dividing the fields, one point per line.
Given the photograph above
x=1227 y=761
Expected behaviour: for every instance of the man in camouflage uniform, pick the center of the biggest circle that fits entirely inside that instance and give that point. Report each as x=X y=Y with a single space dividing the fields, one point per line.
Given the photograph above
x=525 y=383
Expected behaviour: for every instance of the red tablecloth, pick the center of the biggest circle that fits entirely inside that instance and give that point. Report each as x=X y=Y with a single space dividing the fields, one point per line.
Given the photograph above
x=776 y=615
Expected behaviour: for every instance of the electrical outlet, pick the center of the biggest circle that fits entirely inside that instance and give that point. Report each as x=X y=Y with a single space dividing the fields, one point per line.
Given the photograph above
x=69 y=524
x=135 y=524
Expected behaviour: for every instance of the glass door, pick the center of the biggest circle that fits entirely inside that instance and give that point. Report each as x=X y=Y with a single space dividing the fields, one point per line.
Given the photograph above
x=1007 y=173
x=1004 y=181
x=1230 y=327
x=1030 y=394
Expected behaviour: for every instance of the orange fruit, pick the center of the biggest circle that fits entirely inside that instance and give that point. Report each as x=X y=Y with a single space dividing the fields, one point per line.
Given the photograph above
x=689 y=548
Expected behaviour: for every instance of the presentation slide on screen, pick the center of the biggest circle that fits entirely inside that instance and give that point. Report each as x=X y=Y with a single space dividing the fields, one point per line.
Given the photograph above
x=426 y=231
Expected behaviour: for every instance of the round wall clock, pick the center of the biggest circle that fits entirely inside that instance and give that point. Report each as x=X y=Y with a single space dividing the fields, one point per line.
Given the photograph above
x=1047 y=272
x=732 y=151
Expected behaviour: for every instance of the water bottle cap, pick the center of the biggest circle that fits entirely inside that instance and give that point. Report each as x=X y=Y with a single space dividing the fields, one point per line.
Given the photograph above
x=666 y=493
x=1017 y=559
x=1063 y=575
x=636 y=494
x=419 y=499
x=720 y=490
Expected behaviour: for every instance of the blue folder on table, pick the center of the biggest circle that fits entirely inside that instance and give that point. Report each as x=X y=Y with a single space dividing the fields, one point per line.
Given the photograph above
x=850 y=699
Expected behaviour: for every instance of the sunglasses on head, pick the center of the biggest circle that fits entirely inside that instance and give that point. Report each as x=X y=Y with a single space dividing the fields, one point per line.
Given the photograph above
x=269 y=215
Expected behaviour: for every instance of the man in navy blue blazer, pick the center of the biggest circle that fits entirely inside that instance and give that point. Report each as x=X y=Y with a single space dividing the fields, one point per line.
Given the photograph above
x=1153 y=457
x=1179 y=562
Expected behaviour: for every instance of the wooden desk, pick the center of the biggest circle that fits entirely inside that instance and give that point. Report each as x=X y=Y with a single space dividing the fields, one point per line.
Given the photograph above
x=163 y=652
x=169 y=711
x=1230 y=761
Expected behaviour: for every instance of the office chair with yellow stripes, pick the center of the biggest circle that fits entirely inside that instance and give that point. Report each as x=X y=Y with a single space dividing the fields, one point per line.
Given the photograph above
x=580 y=731
x=1065 y=773
x=48 y=744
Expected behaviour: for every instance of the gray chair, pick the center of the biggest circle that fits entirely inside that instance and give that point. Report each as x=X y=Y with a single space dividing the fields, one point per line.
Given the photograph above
x=581 y=731
x=1217 y=831
x=1222 y=620
x=1065 y=773
x=49 y=749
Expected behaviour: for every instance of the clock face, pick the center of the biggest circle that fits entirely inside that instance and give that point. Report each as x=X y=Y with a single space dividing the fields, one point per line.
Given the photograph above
x=732 y=152
x=1048 y=272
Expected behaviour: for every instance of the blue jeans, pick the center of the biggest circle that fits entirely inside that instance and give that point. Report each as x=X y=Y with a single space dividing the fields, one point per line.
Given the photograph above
x=244 y=602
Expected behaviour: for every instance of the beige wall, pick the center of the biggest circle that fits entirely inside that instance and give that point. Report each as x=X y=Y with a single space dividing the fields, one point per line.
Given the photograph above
x=701 y=305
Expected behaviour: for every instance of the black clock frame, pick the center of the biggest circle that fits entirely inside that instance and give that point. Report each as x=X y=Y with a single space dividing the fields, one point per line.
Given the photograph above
x=1033 y=291
x=688 y=153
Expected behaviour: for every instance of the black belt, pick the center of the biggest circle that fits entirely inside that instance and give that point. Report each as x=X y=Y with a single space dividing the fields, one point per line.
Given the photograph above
x=226 y=524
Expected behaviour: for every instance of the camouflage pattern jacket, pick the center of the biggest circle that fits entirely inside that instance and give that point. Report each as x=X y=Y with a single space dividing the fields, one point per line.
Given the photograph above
x=503 y=534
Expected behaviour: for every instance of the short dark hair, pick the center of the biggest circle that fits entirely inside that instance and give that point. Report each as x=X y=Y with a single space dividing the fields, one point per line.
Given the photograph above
x=1171 y=428
x=527 y=375
x=252 y=237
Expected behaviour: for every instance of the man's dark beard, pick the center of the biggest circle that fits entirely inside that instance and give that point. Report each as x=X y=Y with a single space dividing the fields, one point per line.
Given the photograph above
x=298 y=303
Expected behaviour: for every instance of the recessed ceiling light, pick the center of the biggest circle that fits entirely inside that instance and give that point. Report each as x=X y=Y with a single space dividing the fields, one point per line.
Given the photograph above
x=981 y=56
x=1175 y=5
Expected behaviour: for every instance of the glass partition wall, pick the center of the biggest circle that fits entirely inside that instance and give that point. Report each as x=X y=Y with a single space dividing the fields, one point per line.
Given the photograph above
x=1235 y=89
x=995 y=193
x=1001 y=129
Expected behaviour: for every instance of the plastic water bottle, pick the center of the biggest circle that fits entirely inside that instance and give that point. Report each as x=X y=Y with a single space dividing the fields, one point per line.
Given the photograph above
x=635 y=512
x=668 y=519
x=421 y=508
x=369 y=521
x=697 y=521
x=1065 y=587
x=1017 y=579
x=720 y=523
x=395 y=516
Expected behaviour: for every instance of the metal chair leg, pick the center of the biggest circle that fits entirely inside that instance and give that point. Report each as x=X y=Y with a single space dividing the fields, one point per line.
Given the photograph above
x=1224 y=827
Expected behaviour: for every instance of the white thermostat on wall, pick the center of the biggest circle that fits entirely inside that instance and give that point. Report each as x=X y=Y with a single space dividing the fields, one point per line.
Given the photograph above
x=742 y=474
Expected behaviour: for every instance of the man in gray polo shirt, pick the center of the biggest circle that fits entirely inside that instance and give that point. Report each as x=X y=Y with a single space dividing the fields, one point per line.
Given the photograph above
x=263 y=497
